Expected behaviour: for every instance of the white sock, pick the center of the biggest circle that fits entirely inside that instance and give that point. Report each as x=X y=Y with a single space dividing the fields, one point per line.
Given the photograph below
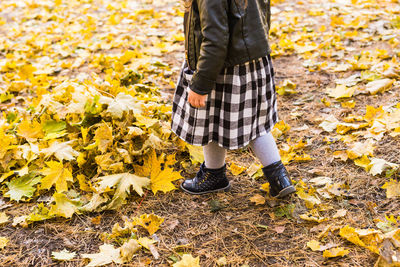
x=265 y=149
x=214 y=155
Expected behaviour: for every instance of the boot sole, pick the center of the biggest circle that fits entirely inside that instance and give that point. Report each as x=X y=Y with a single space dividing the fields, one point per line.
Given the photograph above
x=286 y=191
x=226 y=188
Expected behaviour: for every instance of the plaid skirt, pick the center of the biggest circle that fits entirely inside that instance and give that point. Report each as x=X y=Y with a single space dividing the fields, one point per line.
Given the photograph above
x=240 y=108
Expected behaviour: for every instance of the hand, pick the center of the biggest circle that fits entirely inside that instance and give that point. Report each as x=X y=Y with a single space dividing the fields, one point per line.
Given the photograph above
x=196 y=100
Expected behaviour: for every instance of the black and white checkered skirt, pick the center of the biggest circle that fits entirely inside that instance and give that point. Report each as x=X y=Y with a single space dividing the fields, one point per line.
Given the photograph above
x=241 y=107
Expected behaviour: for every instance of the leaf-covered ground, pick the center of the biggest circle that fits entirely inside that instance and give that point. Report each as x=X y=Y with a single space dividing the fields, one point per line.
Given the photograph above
x=88 y=164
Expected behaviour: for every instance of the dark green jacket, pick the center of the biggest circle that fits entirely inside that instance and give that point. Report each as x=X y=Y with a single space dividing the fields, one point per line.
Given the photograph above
x=222 y=33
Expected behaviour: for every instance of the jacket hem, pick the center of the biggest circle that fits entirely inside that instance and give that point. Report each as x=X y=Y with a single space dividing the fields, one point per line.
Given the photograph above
x=247 y=58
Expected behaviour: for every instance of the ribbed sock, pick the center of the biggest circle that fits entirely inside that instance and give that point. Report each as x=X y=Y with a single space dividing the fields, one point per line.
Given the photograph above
x=214 y=156
x=265 y=149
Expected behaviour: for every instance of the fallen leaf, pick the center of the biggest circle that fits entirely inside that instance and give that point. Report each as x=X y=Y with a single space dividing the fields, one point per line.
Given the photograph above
x=30 y=130
x=160 y=178
x=368 y=238
x=254 y=170
x=20 y=220
x=122 y=182
x=377 y=166
x=145 y=242
x=120 y=104
x=321 y=180
x=359 y=149
x=187 y=261
x=392 y=188
x=54 y=129
x=335 y=252
x=221 y=261
x=21 y=187
x=341 y=91
x=108 y=254
x=103 y=137
x=148 y=244
x=329 y=124
x=3 y=242
x=314 y=245
x=3 y=218
x=63 y=255
x=236 y=169
x=196 y=153
x=288 y=87
x=377 y=86
x=280 y=229
x=96 y=220
x=280 y=128
x=56 y=174
x=64 y=206
x=309 y=199
x=340 y=213
x=128 y=249
x=150 y=222
x=258 y=199
x=62 y=151
x=311 y=218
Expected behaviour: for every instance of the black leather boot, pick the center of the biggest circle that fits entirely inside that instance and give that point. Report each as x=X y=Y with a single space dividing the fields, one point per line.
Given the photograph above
x=280 y=184
x=207 y=181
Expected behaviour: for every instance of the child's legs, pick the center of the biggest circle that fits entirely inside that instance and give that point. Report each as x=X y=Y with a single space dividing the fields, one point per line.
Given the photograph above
x=265 y=149
x=214 y=155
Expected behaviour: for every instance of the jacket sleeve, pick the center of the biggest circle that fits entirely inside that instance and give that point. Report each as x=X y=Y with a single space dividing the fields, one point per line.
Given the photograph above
x=213 y=49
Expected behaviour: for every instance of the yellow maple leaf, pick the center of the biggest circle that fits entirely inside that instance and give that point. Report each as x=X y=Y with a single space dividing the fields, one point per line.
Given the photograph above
x=188 y=261
x=160 y=178
x=146 y=242
x=63 y=255
x=345 y=127
x=367 y=238
x=84 y=183
x=3 y=218
x=392 y=188
x=341 y=91
x=196 y=153
x=26 y=71
x=257 y=199
x=150 y=222
x=30 y=130
x=335 y=252
x=128 y=249
x=5 y=142
x=103 y=137
x=84 y=132
x=360 y=149
x=372 y=113
x=64 y=206
x=342 y=155
x=309 y=199
x=109 y=162
x=122 y=182
x=236 y=169
x=340 y=213
x=377 y=166
x=56 y=174
x=309 y=217
x=314 y=245
x=280 y=128
x=3 y=242
x=363 y=162
x=107 y=255
x=377 y=86
x=348 y=104
x=288 y=87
